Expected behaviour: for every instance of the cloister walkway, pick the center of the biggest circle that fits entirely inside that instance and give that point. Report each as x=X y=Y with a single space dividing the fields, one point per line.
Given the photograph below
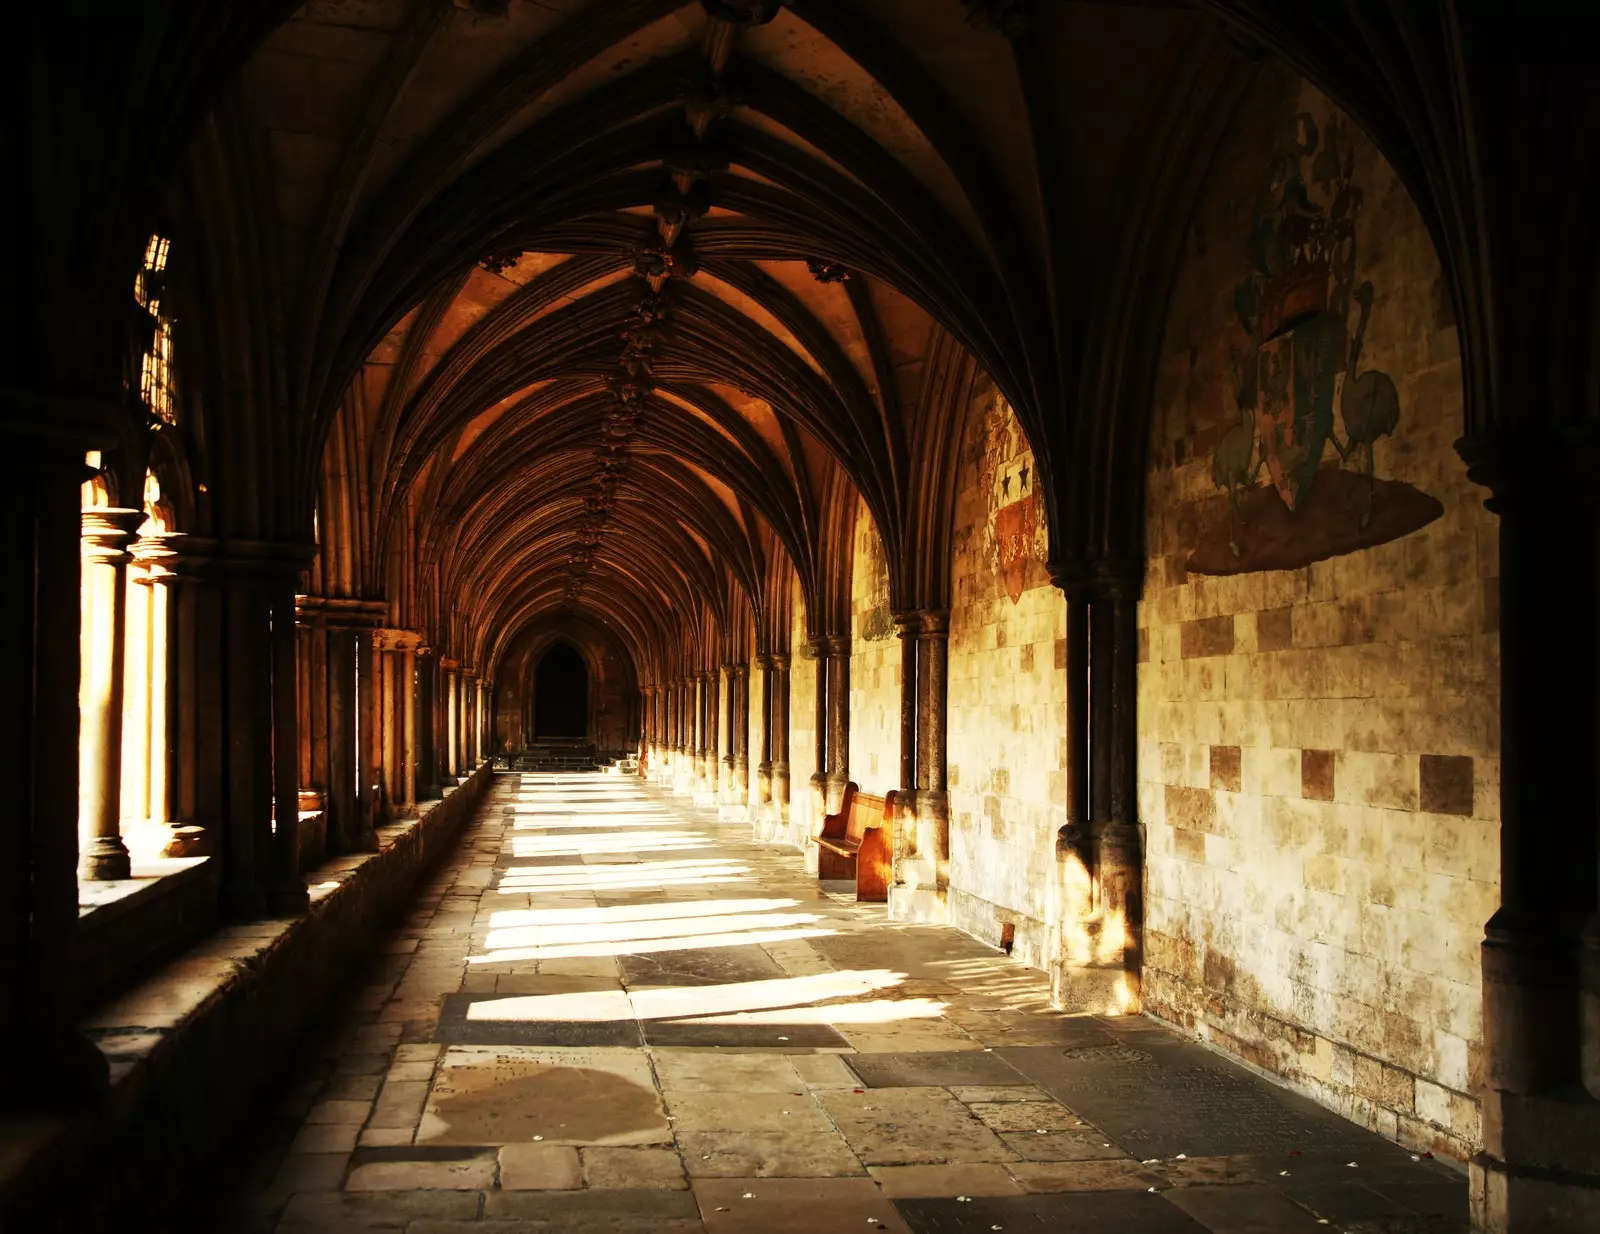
x=612 y=1012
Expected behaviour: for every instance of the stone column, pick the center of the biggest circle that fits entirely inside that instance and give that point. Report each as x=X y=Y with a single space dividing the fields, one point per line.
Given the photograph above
x=739 y=735
x=344 y=820
x=390 y=719
x=375 y=778
x=42 y=556
x=922 y=873
x=838 y=719
x=933 y=804
x=408 y=729
x=107 y=533
x=450 y=716
x=427 y=724
x=762 y=716
x=725 y=696
x=905 y=832
x=1541 y=947
x=779 y=713
x=706 y=748
x=818 y=648
x=165 y=567
x=285 y=888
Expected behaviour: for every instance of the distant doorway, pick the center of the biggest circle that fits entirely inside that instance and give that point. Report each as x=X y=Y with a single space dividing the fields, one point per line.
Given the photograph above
x=561 y=696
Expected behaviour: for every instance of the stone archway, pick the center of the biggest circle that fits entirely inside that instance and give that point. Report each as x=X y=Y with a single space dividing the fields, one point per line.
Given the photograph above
x=561 y=695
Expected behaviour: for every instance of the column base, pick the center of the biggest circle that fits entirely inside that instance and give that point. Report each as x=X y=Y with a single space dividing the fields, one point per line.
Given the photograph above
x=1541 y=1167
x=924 y=905
x=107 y=860
x=1093 y=989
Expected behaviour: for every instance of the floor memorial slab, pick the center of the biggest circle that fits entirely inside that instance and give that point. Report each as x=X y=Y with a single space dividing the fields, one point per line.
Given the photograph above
x=700 y=1039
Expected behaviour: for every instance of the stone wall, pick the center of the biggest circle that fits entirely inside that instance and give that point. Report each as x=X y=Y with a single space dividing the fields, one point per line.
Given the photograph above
x=1317 y=694
x=196 y=1043
x=874 y=665
x=1007 y=695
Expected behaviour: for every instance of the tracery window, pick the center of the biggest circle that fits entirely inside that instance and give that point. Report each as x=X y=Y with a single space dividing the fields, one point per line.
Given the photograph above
x=155 y=377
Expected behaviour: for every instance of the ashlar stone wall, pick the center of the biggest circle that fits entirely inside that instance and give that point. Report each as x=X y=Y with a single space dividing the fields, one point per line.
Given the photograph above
x=1006 y=696
x=874 y=665
x=1317 y=695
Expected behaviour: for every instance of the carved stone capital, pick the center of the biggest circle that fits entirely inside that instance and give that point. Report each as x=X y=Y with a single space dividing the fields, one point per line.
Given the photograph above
x=780 y=662
x=934 y=622
x=837 y=645
x=1548 y=467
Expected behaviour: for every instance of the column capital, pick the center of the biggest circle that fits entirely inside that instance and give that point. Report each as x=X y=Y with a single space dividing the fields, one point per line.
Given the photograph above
x=389 y=638
x=340 y=612
x=1098 y=578
x=450 y=664
x=838 y=644
x=761 y=659
x=739 y=670
x=780 y=661
x=107 y=533
x=934 y=623
x=1548 y=466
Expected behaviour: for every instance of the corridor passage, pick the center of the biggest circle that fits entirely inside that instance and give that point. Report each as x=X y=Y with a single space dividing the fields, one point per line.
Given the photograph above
x=611 y=1012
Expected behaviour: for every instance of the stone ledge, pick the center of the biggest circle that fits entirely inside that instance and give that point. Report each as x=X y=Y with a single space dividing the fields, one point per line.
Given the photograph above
x=191 y=1048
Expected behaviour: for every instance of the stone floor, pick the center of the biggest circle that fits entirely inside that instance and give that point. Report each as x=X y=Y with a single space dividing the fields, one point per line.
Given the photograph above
x=611 y=1012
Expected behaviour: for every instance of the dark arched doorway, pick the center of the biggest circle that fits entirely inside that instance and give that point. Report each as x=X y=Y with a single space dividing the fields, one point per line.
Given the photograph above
x=561 y=695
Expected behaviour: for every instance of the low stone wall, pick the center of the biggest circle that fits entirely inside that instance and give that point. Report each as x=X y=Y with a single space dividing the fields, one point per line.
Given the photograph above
x=192 y=1048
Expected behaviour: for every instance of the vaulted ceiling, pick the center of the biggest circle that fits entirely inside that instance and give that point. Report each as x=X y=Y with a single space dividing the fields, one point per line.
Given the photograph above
x=608 y=306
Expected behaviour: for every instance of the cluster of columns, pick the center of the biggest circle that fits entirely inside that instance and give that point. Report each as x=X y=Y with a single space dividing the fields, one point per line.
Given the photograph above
x=922 y=832
x=682 y=720
x=1102 y=832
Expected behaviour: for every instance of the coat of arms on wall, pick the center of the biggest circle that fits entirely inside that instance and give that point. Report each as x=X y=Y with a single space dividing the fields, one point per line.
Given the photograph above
x=1297 y=369
x=1015 y=532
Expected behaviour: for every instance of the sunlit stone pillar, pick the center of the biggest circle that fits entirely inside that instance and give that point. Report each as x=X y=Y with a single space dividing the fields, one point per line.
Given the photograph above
x=374 y=783
x=393 y=706
x=451 y=715
x=818 y=648
x=838 y=719
x=464 y=722
x=761 y=719
x=904 y=844
x=725 y=688
x=705 y=784
x=740 y=739
x=922 y=881
x=107 y=533
x=779 y=720
x=427 y=784
x=408 y=728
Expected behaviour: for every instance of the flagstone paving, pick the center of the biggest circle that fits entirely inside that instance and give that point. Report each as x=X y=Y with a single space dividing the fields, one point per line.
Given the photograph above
x=612 y=1012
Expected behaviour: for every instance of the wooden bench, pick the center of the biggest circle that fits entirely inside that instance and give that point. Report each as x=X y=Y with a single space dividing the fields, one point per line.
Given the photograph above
x=857 y=843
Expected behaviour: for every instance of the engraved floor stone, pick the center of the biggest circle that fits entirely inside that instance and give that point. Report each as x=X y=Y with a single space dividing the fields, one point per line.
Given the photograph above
x=633 y=1042
x=485 y=1096
x=907 y=1126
